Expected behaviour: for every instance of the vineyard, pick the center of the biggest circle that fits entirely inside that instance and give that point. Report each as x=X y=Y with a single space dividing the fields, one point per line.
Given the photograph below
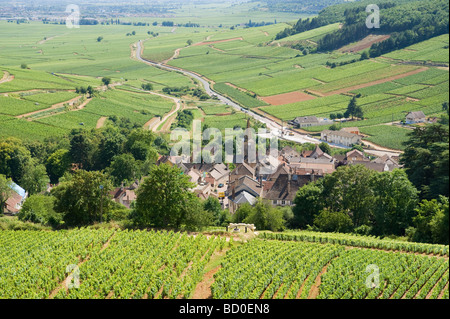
x=121 y=264
x=359 y=241
x=286 y=270
x=111 y=264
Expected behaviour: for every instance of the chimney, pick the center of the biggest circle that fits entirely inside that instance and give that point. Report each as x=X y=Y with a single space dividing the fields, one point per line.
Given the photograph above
x=233 y=192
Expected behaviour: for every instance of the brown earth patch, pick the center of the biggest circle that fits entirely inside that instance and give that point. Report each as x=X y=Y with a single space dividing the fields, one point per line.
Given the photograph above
x=287 y=98
x=101 y=122
x=203 y=289
x=6 y=78
x=364 y=43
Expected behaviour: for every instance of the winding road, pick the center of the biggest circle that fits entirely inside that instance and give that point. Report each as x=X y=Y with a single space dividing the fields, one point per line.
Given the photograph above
x=274 y=128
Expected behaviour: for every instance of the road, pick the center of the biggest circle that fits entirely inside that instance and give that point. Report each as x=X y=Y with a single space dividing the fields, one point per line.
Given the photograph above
x=274 y=128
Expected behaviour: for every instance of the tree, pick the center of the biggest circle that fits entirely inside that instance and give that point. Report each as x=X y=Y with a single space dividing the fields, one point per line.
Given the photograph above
x=364 y=55
x=81 y=199
x=23 y=66
x=396 y=198
x=123 y=169
x=333 y=116
x=266 y=217
x=349 y=190
x=163 y=198
x=308 y=203
x=189 y=42
x=328 y=221
x=35 y=179
x=5 y=191
x=39 y=209
x=351 y=108
x=83 y=148
x=426 y=159
x=242 y=213
x=106 y=81
x=57 y=164
x=325 y=147
x=99 y=39
x=358 y=112
x=147 y=86
x=133 y=33
x=14 y=158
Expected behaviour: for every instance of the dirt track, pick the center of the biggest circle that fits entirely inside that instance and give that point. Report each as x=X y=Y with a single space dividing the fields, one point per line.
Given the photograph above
x=6 y=78
x=101 y=122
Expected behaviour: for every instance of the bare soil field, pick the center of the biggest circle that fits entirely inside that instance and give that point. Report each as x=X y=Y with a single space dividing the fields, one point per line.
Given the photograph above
x=287 y=98
x=364 y=43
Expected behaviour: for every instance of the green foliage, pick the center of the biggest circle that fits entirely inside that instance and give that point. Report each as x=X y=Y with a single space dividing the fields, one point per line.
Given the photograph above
x=57 y=164
x=426 y=160
x=39 y=209
x=164 y=200
x=14 y=159
x=328 y=221
x=431 y=222
x=266 y=217
x=81 y=199
x=5 y=191
x=35 y=178
x=123 y=169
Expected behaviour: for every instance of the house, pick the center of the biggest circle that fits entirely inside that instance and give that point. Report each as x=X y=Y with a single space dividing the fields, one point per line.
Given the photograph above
x=390 y=161
x=245 y=184
x=125 y=195
x=242 y=169
x=324 y=164
x=415 y=117
x=372 y=166
x=15 y=202
x=283 y=191
x=308 y=121
x=340 y=138
x=305 y=121
x=353 y=130
x=355 y=155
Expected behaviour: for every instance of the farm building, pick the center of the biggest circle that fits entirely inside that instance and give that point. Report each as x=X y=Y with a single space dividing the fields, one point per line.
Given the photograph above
x=353 y=130
x=15 y=201
x=340 y=137
x=308 y=121
x=415 y=117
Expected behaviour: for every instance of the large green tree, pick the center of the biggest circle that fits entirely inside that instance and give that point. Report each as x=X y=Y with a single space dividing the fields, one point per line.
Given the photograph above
x=35 y=178
x=395 y=201
x=266 y=217
x=123 y=169
x=164 y=199
x=14 y=158
x=426 y=159
x=57 y=164
x=83 y=197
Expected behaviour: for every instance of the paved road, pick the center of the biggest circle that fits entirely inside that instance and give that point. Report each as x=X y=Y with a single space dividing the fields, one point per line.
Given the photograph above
x=274 y=128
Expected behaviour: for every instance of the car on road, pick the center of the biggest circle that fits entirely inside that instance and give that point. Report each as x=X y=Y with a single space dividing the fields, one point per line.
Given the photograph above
x=221 y=185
